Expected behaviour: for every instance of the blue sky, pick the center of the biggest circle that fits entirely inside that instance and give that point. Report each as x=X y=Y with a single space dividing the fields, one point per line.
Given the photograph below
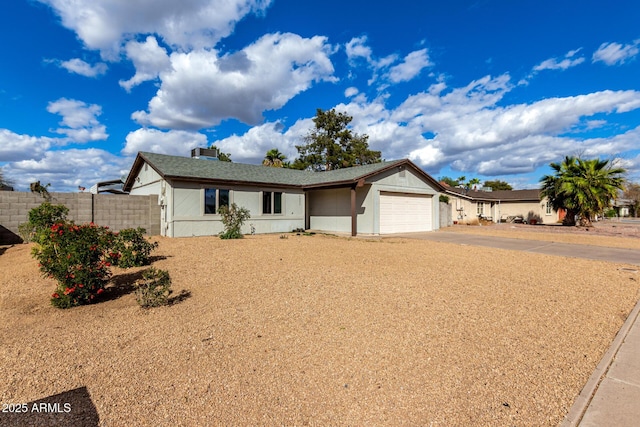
x=494 y=89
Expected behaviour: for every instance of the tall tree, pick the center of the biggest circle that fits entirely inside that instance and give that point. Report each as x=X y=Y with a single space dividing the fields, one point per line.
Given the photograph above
x=582 y=186
x=274 y=158
x=331 y=144
x=498 y=185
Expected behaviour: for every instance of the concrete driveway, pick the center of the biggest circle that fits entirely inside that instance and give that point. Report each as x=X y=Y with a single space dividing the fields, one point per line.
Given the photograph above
x=600 y=253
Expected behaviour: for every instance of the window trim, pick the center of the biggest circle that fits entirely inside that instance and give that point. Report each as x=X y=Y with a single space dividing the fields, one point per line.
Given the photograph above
x=480 y=208
x=549 y=208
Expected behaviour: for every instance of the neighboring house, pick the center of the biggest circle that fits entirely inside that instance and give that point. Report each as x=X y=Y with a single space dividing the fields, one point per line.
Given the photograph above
x=500 y=206
x=623 y=207
x=381 y=198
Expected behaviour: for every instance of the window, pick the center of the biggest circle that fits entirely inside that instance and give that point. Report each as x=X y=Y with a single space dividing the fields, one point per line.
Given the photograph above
x=480 y=208
x=271 y=202
x=214 y=198
x=549 y=208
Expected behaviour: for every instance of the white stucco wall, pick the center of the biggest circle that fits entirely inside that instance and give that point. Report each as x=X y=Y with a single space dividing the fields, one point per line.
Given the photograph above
x=187 y=217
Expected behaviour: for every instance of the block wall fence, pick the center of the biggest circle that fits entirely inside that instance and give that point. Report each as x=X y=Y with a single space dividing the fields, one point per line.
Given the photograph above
x=117 y=211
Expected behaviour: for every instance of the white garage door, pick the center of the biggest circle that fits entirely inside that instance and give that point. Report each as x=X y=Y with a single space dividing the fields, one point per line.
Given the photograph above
x=404 y=213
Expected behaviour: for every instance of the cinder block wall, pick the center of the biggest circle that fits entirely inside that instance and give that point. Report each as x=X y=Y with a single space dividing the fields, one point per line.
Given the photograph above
x=113 y=210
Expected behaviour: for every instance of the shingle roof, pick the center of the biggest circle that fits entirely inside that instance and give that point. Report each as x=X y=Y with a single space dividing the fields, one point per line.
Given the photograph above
x=187 y=168
x=502 y=195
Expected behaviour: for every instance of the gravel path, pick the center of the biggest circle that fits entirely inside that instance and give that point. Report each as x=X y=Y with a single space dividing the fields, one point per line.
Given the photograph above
x=319 y=330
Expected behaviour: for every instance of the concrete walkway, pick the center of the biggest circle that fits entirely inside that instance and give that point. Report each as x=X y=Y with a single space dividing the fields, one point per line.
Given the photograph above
x=611 y=396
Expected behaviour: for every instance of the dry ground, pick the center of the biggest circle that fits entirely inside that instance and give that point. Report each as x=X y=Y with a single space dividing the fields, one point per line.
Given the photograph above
x=318 y=330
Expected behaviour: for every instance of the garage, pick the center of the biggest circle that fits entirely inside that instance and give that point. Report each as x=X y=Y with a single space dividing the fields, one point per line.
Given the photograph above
x=404 y=213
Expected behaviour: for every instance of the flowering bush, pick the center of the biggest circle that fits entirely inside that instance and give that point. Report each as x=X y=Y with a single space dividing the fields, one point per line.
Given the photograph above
x=74 y=255
x=129 y=248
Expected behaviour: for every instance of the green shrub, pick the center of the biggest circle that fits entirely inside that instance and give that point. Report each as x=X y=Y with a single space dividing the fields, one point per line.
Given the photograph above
x=40 y=221
x=154 y=288
x=130 y=248
x=74 y=256
x=233 y=217
x=611 y=213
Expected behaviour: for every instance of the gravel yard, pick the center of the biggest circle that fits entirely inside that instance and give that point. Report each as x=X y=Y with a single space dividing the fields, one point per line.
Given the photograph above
x=316 y=330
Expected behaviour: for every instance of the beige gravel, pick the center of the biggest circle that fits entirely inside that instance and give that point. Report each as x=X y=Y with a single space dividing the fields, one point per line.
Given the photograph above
x=321 y=330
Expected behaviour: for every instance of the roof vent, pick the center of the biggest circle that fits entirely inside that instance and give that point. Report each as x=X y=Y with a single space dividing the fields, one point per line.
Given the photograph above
x=205 y=153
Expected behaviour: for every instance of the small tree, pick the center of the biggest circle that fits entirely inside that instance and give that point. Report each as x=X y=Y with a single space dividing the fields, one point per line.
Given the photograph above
x=233 y=217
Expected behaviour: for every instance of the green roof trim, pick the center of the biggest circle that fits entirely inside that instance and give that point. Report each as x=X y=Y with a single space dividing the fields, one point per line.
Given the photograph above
x=191 y=169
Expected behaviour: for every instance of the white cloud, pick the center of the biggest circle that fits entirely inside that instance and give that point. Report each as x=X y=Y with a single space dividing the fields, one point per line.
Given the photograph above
x=79 y=120
x=466 y=128
x=103 y=24
x=78 y=66
x=412 y=65
x=252 y=145
x=149 y=60
x=202 y=88
x=616 y=53
x=356 y=48
x=351 y=91
x=569 y=60
x=68 y=169
x=175 y=142
x=14 y=147
x=387 y=68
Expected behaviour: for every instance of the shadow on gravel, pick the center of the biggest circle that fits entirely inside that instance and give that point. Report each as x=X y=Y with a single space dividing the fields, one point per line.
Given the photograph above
x=69 y=408
x=183 y=295
x=122 y=284
x=154 y=258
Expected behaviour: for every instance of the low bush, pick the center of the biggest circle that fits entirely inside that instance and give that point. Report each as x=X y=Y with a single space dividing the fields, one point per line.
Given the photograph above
x=129 y=248
x=154 y=288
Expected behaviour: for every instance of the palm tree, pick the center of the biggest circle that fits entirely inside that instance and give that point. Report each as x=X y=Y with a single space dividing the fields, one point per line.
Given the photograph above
x=583 y=187
x=274 y=158
x=551 y=185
